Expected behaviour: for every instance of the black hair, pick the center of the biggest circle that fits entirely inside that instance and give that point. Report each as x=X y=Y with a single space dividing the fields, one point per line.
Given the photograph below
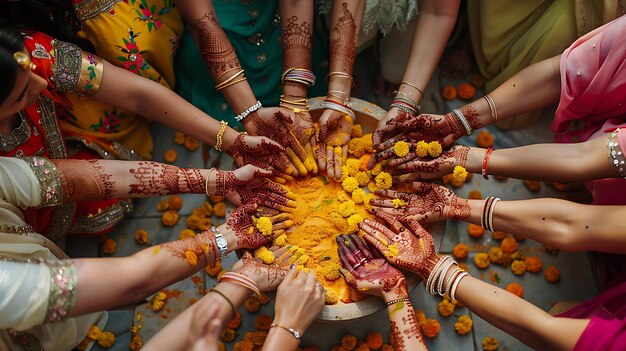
x=10 y=42
x=55 y=18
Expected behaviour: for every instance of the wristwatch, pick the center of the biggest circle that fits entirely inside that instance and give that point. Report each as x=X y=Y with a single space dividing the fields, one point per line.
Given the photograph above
x=222 y=244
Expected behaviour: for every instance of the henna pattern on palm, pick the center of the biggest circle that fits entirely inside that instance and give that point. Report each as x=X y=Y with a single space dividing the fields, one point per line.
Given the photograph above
x=215 y=48
x=240 y=222
x=84 y=180
x=267 y=277
x=274 y=126
x=302 y=127
x=343 y=42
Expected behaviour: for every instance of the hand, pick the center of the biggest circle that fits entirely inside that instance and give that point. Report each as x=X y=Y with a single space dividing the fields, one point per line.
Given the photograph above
x=206 y=326
x=241 y=227
x=334 y=131
x=416 y=250
x=430 y=203
x=272 y=122
x=299 y=300
x=381 y=133
x=411 y=167
x=249 y=182
x=304 y=131
x=366 y=271
x=267 y=277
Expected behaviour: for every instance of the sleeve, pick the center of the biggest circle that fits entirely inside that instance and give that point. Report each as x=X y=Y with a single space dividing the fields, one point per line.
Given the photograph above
x=35 y=293
x=603 y=334
x=29 y=182
x=64 y=65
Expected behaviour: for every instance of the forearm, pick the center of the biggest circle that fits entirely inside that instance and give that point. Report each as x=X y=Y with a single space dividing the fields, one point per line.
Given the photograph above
x=547 y=162
x=280 y=339
x=518 y=317
x=296 y=20
x=217 y=51
x=434 y=25
x=404 y=328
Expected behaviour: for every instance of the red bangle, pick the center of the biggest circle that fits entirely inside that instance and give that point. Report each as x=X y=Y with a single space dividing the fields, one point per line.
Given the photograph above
x=485 y=163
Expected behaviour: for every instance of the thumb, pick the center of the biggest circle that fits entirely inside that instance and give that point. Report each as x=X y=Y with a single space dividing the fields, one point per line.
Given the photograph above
x=348 y=277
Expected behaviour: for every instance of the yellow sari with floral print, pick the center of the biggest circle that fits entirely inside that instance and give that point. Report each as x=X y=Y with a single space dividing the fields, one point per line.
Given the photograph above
x=140 y=36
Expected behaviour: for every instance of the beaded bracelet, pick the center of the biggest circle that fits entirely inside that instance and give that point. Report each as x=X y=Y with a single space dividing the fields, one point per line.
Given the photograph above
x=459 y=115
x=484 y=170
x=615 y=154
x=220 y=135
x=257 y=106
x=393 y=302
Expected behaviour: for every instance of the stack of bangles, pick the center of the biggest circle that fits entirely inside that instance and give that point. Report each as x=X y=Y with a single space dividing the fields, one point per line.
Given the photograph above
x=232 y=80
x=297 y=105
x=331 y=75
x=485 y=170
x=242 y=280
x=338 y=106
x=486 y=215
x=437 y=284
x=463 y=120
x=405 y=103
x=298 y=75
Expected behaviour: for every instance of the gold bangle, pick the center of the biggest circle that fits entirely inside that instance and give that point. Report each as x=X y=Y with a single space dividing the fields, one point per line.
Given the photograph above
x=220 y=135
x=412 y=85
x=227 y=81
x=226 y=71
x=294 y=109
x=232 y=305
x=231 y=83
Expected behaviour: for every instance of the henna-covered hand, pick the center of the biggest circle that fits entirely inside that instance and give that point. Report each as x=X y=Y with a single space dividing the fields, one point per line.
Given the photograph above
x=381 y=133
x=367 y=271
x=415 y=248
x=266 y=276
x=255 y=150
x=334 y=134
x=274 y=122
x=411 y=167
x=430 y=203
x=241 y=226
x=248 y=182
x=304 y=131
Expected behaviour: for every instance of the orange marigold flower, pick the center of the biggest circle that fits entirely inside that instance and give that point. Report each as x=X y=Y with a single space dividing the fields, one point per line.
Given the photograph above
x=191 y=143
x=466 y=91
x=141 y=236
x=508 y=245
x=252 y=305
x=478 y=81
x=263 y=322
x=475 y=230
x=219 y=209
x=431 y=328
x=235 y=322
x=169 y=218
x=484 y=139
x=463 y=325
x=498 y=235
x=374 y=340
x=515 y=289
x=533 y=264
x=169 y=155
x=243 y=346
x=552 y=274
x=445 y=308
x=109 y=247
x=175 y=202
x=228 y=335
x=459 y=251
x=448 y=92
x=532 y=186
x=348 y=342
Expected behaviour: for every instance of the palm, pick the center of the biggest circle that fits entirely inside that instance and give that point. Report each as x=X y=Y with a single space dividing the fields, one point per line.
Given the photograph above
x=445 y=129
x=247 y=183
x=419 y=168
x=254 y=150
x=431 y=203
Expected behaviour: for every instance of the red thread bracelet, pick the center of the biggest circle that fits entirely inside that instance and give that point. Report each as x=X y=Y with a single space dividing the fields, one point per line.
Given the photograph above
x=485 y=163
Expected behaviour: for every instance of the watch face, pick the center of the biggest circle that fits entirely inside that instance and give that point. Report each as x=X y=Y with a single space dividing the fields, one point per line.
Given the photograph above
x=221 y=242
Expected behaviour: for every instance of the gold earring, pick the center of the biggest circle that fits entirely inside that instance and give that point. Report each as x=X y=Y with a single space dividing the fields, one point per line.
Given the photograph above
x=24 y=61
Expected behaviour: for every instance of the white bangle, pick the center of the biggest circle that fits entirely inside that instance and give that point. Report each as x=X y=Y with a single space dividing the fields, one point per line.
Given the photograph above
x=251 y=109
x=456 y=285
x=464 y=122
x=490 y=216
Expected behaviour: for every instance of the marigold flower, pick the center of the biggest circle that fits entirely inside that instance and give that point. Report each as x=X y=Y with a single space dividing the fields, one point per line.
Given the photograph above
x=481 y=260
x=374 y=340
x=353 y=222
x=421 y=149
x=141 y=236
x=169 y=155
x=532 y=185
x=497 y=256
x=94 y=332
x=263 y=225
x=384 y=181
x=431 y=328
x=353 y=166
x=106 y=339
x=484 y=139
x=515 y=289
x=347 y=208
x=175 y=202
x=401 y=148
x=228 y=335
x=459 y=174
x=434 y=149
x=552 y=274
x=363 y=178
x=243 y=346
x=191 y=143
x=179 y=138
x=463 y=325
x=466 y=91
x=350 y=184
x=219 y=210
x=448 y=92
x=508 y=245
x=348 y=342
x=518 y=267
x=331 y=297
x=281 y=240
x=445 y=307
x=499 y=235
x=387 y=347
x=533 y=264
x=356 y=147
x=357 y=131
x=420 y=317
x=475 y=230
x=136 y=343
x=368 y=142
x=264 y=254
x=169 y=218
x=263 y=322
x=474 y=194
x=109 y=247
x=490 y=344
x=398 y=203
x=377 y=169
x=158 y=301
x=331 y=271
x=163 y=205
x=186 y=233
x=358 y=196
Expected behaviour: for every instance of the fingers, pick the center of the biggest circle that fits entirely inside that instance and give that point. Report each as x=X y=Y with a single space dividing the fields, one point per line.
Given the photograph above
x=310 y=163
x=406 y=178
x=330 y=161
x=338 y=160
x=278 y=189
x=389 y=143
x=331 y=124
x=283 y=164
x=297 y=162
x=260 y=172
x=385 y=154
x=272 y=146
x=372 y=162
x=283 y=256
x=374 y=226
x=282 y=225
x=396 y=226
x=373 y=232
x=382 y=203
x=362 y=247
x=393 y=194
x=416 y=228
x=398 y=161
x=421 y=187
x=350 y=279
x=381 y=248
x=345 y=254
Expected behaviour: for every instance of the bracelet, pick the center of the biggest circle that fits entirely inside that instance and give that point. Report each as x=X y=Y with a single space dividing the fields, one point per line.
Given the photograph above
x=338 y=106
x=393 y=302
x=463 y=156
x=456 y=284
x=492 y=108
x=484 y=170
x=296 y=334
x=242 y=280
x=231 y=83
x=298 y=75
x=225 y=298
x=442 y=276
x=338 y=74
x=226 y=71
x=491 y=209
x=436 y=278
x=206 y=182
x=220 y=241
x=220 y=135
x=459 y=115
x=404 y=107
x=450 y=280
x=483 y=212
x=413 y=86
x=225 y=83
x=431 y=276
x=257 y=106
x=615 y=154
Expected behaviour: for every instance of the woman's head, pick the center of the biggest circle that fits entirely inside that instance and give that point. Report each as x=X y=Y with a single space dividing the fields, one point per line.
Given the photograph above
x=19 y=86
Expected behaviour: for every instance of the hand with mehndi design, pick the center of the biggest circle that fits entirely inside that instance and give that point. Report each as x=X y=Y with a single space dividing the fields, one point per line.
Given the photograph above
x=304 y=131
x=367 y=271
x=266 y=276
x=430 y=203
x=334 y=132
x=411 y=167
x=249 y=182
x=382 y=133
x=273 y=123
x=255 y=150
x=241 y=227
x=410 y=249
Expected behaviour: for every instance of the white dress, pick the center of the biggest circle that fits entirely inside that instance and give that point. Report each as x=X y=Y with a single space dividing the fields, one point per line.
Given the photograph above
x=37 y=280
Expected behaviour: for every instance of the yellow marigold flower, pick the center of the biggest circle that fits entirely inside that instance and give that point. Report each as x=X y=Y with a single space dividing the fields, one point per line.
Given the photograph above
x=94 y=332
x=393 y=250
x=302 y=260
x=264 y=254
x=377 y=169
x=346 y=209
x=141 y=236
x=157 y=305
x=384 y=181
x=357 y=131
x=445 y=308
x=356 y=147
x=338 y=221
x=397 y=203
x=434 y=149
x=353 y=222
x=490 y=344
x=459 y=174
x=358 y=196
x=219 y=209
x=372 y=187
x=136 y=343
x=353 y=166
x=191 y=258
x=331 y=271
x=363 y=178
x=368 y=142
x=186 y=233
x=421 y=149
x=263 y=224
x=350 y=184
x=163 y=205
x=281 y=240
x=169 y=218
x=401 y=148
x=518 y=267
x=106 y=339
x=345 y=173
x=331 y=297
x=463 y=325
